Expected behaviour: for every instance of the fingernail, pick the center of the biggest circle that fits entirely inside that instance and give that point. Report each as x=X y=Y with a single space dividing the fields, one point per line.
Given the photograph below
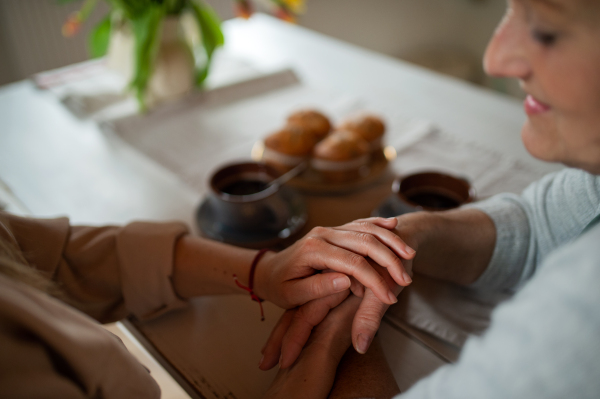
x=341 y=283
x=261 y=361
x=362 y=343
x=406 y=278
x=392 y=218
x=393 y=297
x=409 y=250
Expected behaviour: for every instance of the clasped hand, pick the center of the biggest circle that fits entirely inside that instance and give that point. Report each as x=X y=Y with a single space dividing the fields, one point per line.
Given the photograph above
x=363 y=257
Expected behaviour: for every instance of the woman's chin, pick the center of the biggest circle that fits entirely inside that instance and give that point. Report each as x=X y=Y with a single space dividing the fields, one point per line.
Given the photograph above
x=544 y=145
x=538 y=143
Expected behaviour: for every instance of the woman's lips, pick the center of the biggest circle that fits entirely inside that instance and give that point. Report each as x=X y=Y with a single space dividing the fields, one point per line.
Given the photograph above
x=533 y=106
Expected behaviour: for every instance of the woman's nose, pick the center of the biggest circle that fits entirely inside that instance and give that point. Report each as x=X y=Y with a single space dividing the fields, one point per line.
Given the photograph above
x=506 y=54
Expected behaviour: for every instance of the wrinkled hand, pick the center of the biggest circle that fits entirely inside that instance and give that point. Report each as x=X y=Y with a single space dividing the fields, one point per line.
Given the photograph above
x=291 y=277
x=368 y=316
x=294 y=328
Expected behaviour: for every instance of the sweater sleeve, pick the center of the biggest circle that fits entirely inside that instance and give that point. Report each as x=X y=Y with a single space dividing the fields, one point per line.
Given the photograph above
x=107 y=272
x=549 y=213
x=542 y=343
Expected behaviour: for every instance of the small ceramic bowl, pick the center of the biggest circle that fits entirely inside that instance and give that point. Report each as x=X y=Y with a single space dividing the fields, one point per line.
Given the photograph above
x=241 y=201
x=430 y=191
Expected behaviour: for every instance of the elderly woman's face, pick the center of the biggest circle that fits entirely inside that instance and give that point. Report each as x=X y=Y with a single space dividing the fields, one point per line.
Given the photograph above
x=553 y=48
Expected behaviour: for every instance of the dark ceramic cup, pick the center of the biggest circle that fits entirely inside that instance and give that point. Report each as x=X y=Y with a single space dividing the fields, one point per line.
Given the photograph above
x=241 y=200
x=430 y=191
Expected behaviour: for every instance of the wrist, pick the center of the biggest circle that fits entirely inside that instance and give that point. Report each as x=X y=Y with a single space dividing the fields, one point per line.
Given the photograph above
x=453 y=245
x=413 y=228
x=262 y=274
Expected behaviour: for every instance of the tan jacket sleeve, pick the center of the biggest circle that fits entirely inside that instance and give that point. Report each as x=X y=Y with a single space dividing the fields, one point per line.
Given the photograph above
x=106 y=272
x=50 y=350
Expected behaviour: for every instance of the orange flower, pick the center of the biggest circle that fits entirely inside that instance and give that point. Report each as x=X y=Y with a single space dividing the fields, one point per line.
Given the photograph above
x=72 y=25
x=243 y=9
x=295 y=6
x=285 y=14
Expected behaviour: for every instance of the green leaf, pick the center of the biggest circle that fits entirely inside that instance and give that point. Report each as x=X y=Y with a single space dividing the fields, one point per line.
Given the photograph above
x=132 y=8
x=174 y=7
x=212 y=36
x=99 y=38
x=146 y=29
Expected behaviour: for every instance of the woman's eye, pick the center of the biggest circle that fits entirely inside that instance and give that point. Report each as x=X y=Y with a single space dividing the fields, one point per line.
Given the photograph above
x=544 y=38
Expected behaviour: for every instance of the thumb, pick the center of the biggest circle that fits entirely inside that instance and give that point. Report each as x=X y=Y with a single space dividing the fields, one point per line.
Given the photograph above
x=316 y=286
x=366 y=321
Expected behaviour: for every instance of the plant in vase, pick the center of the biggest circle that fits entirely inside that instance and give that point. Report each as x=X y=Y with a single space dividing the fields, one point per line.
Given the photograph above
x=151 y=42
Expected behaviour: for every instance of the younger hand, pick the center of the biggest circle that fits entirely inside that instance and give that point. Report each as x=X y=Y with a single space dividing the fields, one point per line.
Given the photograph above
x=294 y=328
x=291 y=277
x=313 y=375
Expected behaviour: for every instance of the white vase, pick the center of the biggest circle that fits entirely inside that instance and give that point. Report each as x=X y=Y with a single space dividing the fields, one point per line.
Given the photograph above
x=173 y=70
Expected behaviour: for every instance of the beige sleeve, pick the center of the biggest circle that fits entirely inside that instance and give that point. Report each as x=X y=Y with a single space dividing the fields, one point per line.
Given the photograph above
x=107 y=272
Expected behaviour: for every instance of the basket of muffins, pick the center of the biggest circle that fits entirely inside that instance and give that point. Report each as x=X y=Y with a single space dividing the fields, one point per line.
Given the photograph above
x=338 y=157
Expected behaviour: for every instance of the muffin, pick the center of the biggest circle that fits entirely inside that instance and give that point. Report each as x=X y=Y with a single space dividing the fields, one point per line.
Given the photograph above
x=288 y=147
x=313 y=121
x=369 y=127
x=340 y=157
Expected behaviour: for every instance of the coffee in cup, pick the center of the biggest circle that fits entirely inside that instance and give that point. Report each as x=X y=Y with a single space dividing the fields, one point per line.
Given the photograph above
x=430 y=191
x=242 y=200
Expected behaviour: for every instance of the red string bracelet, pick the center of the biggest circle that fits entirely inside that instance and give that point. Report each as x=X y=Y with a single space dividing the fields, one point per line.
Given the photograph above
x=250 y=286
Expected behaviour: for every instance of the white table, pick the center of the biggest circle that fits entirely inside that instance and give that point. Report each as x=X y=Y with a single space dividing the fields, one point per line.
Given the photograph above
x=56 y=164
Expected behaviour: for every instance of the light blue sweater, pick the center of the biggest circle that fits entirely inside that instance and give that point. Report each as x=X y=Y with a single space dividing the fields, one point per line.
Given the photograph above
x=545 y=341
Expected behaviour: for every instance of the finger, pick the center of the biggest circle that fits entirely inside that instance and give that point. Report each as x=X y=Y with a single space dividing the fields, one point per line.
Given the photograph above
x=388 y=223
x=321 y=255
x=366 y=321
x=338 y=321
x=383 y=234
x=388 y=238
x=357 y=288
x=278 y=331
x=366 y=244
x=272 y=349
x=303 y=290
x=304 y=319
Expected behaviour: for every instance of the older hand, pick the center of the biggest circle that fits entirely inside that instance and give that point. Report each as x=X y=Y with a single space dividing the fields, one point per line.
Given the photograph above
x=291 y=277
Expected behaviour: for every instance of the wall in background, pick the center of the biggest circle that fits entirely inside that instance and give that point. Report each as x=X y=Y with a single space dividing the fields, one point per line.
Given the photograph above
x=31 y=40
x=449 y=36
x=399 y=27
x=446 y=35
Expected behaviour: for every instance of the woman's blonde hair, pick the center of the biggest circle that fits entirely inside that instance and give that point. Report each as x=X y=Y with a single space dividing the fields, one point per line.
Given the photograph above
x=14 y=265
